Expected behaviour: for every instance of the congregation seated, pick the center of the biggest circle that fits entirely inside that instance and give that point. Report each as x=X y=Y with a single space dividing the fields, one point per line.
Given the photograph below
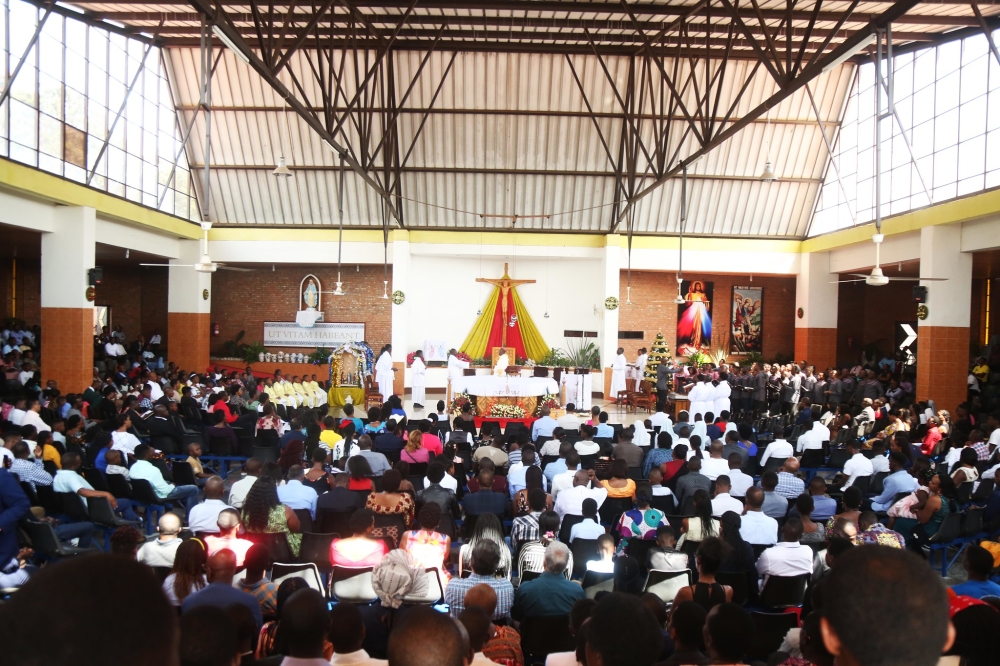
x=228 y=525
x=263 y=513
x=428 y=547
x=359 y=550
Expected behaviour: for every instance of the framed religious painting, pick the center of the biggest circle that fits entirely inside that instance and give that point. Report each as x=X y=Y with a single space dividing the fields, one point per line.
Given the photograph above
x=746 y=324
x=694 y=317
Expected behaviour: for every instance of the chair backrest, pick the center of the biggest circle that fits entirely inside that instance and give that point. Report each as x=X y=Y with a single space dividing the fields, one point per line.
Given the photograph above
x=268 y=437
x=305 y=520
x=73 y=506
x=266 y=454
x=639 y=549
x=544 y=634
x=587 y=461
x=583 y=550
x=566 y=528
x=812 y=458
x=837 y=458
x=95 y=478
x=595 y=582
x=144 y=493
x=972 y=525
x=878 y=483
x=276 y=544
x=119 y=486
x=352 y=585
x=315 y=549
x=664 y=503
x=738 y=581
x=219 y=443
x=863 y=483
x=334 y=521
x=613 y=507
x=183 y=474
x=434 y=590
x=784 y=591
x=963 y=493
x=769 y=630
x=100 y=511
x=43 y=538
x=984 y=490
x=304 y=570
x=666 y=584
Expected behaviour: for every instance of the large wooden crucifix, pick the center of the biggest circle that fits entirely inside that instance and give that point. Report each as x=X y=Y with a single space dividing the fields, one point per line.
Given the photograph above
x=504 y=284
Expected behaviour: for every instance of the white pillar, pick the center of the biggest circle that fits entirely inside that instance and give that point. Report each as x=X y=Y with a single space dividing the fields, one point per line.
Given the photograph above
x=611 y=261
x=67 y=255
x=816 y=292
x=400 y=313
x=949 y=303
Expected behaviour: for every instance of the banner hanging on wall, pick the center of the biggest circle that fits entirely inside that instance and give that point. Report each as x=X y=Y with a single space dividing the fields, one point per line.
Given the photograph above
x=322 y=334
x=746 y=332
x=694 y=319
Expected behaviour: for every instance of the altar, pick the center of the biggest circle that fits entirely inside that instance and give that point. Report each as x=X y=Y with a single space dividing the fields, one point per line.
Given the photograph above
x=578 y=390
x=487 y=391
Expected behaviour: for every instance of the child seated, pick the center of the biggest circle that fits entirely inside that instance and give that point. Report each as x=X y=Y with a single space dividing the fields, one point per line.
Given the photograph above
x=606 y=550
x=665 y=556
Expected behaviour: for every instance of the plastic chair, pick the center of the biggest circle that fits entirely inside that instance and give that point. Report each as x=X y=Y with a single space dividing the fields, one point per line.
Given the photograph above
x=583 y=550
x=769 y=630
x=45 y=541
x=566 y=528
x=639 y=549
x=315 y=549
x=305 y=520
x=738 y=581
x=73 y=506
x=184 y=474
x=949 y=535
x=276 y=544
x=544 y=634
x=105 y=518
x=784 y=591
x=307 y=571
x=333 y=521
x=352 y=585
x=266 y=454
x=119 y=486
x=666 y=584
x=95 y=478
x=597 y=581
x=146 y=497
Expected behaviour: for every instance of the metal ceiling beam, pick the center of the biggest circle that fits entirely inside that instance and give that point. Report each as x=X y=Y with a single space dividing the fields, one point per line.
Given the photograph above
x=207 y=8
x=810 y=72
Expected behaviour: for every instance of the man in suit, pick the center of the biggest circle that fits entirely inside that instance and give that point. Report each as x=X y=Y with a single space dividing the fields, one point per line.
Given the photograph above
x=486 y=500
x=664 y=377
x=161 y=428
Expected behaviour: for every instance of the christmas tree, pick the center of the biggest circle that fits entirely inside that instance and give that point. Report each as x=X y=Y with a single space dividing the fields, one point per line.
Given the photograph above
x=659 y=352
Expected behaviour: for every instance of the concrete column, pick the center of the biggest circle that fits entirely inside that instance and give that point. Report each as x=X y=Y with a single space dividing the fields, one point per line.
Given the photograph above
x=816 y=294
x=400 y=239
x=67 y=315
x=943 y=338
x=611 y=261
x=189 y=310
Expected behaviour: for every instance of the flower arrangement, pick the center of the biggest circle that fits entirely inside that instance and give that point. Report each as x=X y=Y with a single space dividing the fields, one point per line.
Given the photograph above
x=549 y=400
x=462 y=356
x=482 y=362
x=461 y=400
x=409 y=358
x=502 y=411
x=520 y=360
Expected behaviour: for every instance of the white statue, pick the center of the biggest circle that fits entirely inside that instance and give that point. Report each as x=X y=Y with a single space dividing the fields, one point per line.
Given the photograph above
x=311 y=295
x=260 y=357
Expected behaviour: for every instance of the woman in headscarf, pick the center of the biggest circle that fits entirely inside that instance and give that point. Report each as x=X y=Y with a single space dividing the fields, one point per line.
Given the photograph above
x=641 y=435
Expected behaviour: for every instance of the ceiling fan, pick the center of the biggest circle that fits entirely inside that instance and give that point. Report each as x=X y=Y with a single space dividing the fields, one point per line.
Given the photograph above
x=877 y=278
x=205 y=263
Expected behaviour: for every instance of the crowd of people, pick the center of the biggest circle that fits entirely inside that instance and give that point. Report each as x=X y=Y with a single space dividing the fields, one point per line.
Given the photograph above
x=468 y=543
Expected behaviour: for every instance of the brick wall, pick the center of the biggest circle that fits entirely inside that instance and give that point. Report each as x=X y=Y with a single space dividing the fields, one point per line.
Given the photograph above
x=653 y=311
x=137 y=298
x=28 y=290
x=244 y=301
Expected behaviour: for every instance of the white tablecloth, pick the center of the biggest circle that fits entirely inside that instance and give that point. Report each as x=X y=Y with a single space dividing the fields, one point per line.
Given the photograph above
x=578 y=390
x=484 y=385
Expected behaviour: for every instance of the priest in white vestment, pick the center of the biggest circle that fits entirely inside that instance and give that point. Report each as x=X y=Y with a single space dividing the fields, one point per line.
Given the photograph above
x=418 y=380
x=455 y=368
x=721 y=401
x=384 y=372
x=701 y=396
x=500 y=369
x=640 y=367
x=618 y=367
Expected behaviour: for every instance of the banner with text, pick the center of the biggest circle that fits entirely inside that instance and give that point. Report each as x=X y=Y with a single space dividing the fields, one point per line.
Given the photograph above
x=322 y=334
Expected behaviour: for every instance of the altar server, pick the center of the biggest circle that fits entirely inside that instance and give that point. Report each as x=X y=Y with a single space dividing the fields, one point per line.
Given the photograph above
x=384 y=372
x=618 y=373
x=418 y=380
x=721 y=395
x=701 y=396
x=455 y=368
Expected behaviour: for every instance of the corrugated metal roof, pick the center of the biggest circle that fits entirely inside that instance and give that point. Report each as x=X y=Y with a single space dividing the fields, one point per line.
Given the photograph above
x=509 y=136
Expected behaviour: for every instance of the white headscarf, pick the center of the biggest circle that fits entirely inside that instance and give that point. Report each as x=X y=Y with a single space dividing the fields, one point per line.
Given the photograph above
x=641 y=437
x=699 y=428
x=730 y=426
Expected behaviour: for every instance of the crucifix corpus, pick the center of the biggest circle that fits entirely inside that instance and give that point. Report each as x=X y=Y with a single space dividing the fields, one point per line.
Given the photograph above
x=504 y=284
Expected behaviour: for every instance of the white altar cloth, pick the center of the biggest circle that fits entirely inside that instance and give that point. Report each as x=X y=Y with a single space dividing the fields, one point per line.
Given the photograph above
x=484 y=385
x=578 y=390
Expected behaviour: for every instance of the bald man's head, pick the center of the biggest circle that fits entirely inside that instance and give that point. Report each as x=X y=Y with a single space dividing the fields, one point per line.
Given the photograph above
x=214 y=488
x=169 y=526
x=425 y=637
x=482 y=596
x=791 y=465
x=222 y=567
x=715 y=449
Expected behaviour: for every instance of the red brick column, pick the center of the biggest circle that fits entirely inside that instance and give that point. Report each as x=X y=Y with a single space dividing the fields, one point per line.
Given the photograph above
x=68 y=347
x=942 y=365
x=188 y=339
x=818 y=346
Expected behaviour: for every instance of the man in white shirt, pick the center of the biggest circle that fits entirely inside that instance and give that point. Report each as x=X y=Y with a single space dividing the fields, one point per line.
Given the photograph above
x=568 y=421
x=570 y=501
x=661 y=419
x=205 y=516
x=16 y=415
x=714 y=465
x=812 y=438
x=238 y=493
x=564 y=480
x=789 y=557
x=755 y=527
x=544 y=426
x=618 y=368
x=33 y=417
x=857 y=465
x=723 y=501
x=867 y=413
x=779 y=448
x=590 y=527
x=155 y=390
x=161 y=552
x=880 y=463
x=739 y=481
